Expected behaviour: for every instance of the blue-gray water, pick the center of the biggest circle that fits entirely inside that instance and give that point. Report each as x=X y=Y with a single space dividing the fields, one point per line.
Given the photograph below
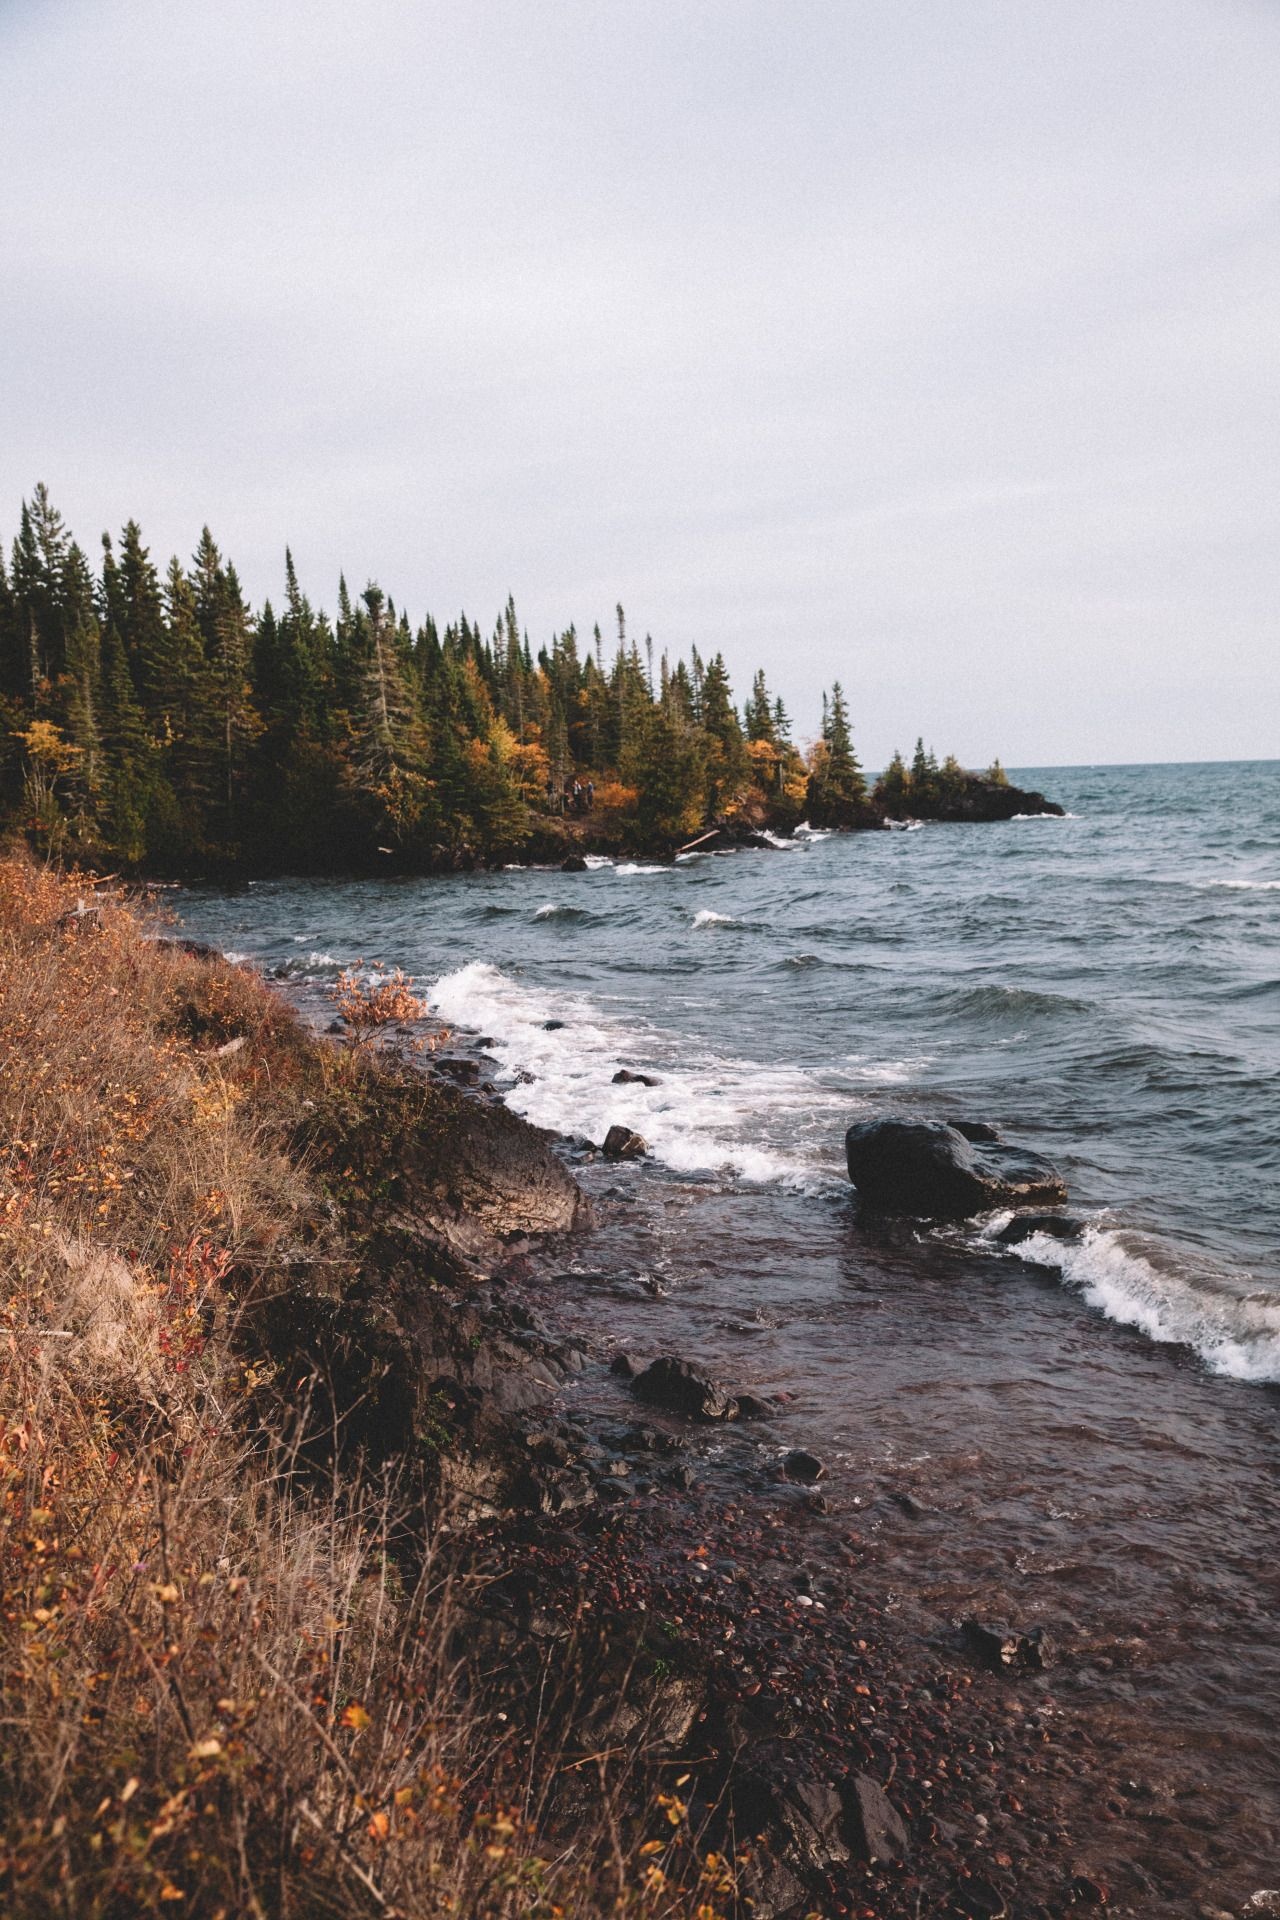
x=1090 y=1445
x=1106 y=986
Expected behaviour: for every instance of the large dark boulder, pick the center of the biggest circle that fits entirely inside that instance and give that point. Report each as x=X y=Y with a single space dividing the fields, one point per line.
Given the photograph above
x=928 y=1168
x=684 y=1388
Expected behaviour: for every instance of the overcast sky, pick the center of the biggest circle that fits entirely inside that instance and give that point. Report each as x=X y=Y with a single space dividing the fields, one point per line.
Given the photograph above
x=929 y=344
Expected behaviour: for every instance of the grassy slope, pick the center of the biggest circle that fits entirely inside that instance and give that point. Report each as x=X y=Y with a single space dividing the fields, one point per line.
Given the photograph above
x=225 y=1687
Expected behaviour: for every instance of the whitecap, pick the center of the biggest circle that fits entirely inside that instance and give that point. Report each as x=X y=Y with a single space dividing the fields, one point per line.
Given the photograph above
x=630 y=866
x=1139 y=1283
x=710 y=1113
x=706 y=918
x=597 y=860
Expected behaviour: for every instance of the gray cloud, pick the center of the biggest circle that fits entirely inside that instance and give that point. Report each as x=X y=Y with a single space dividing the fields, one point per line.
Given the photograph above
x=933 y=347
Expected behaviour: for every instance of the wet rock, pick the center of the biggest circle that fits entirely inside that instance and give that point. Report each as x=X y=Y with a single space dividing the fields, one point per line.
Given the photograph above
x=624 y=1077
x=908 y=1504
x=1006 y=1650
x=1058 y=1226
x=1088 y=1893
x=573 y=863
x=976 y=1130
x=875 y=1828
x=811 y=1813
x=625 y=1366
x=751 y=1407
x=924 y=1167
x=981 y=1899
x=1265 y=1902
x=802 y=1466
x=684 y=1388
x=552 y=1026
x=456 y=1067
x=621 y=1144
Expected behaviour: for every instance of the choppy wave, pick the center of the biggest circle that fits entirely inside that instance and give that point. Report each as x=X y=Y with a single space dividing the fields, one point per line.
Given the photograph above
x=1014 y=1002
x=1140 y=1283
x=560 y=910
x=706 y=918
x=710 y=1113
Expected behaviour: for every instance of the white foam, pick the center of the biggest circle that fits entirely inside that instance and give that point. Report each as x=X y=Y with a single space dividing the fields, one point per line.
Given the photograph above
x=1246 y=886
x=1235 y=1333
x=885 y=1073
x=706 y=918
x=233 y=958
x=708 y=1114
x=597 y=860
x=552 y=910
x=1044 y=816
x=630 y=866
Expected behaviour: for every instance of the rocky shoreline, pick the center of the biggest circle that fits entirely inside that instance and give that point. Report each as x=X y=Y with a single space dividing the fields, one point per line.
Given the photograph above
x=668 y=1619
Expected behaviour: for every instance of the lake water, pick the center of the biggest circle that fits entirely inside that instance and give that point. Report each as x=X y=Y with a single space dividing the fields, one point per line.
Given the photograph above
x=1090 y=1443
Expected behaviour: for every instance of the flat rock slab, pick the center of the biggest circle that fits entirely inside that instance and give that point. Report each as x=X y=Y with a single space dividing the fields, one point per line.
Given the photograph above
x=927 y=1168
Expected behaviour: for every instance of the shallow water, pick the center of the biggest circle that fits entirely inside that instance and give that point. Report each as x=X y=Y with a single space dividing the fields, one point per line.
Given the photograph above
x=1091 y=1443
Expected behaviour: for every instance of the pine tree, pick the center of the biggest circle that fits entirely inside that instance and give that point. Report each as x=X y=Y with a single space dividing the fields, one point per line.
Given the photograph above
x=836 y=785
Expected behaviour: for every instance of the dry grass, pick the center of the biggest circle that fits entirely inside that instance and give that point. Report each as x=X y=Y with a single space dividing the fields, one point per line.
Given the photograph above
x=221 y=1692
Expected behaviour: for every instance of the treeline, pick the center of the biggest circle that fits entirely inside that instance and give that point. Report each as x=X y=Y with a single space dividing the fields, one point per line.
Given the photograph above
x=157 y=720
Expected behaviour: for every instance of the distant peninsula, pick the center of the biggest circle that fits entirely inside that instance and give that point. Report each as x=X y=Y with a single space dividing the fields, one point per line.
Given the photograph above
x=164 y=726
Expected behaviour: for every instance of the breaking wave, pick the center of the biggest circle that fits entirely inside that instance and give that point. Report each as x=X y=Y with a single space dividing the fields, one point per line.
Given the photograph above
x=709 y=1113
x=1139 y=1282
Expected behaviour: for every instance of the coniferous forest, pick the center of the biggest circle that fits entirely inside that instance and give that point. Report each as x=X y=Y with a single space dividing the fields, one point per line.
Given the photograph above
x=150 y=717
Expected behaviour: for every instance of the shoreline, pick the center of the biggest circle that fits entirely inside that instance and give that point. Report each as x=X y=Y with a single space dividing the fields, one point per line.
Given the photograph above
x=691 y=1627
x=780 y=1661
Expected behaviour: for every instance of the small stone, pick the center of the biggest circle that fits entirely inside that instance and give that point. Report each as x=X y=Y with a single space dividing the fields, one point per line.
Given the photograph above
x=620 y=1143
x=1006 y=1650
x=803 y=1466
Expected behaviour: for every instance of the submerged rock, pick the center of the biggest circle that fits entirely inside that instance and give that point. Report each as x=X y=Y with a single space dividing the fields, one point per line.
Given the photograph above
x=621 y=1144
x=1006 y=1650
x=874 y=1825
x=926 y=1167
x=1024 y=1226
x=684 y=1388
x=625 y=1077
x=801 y=1465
